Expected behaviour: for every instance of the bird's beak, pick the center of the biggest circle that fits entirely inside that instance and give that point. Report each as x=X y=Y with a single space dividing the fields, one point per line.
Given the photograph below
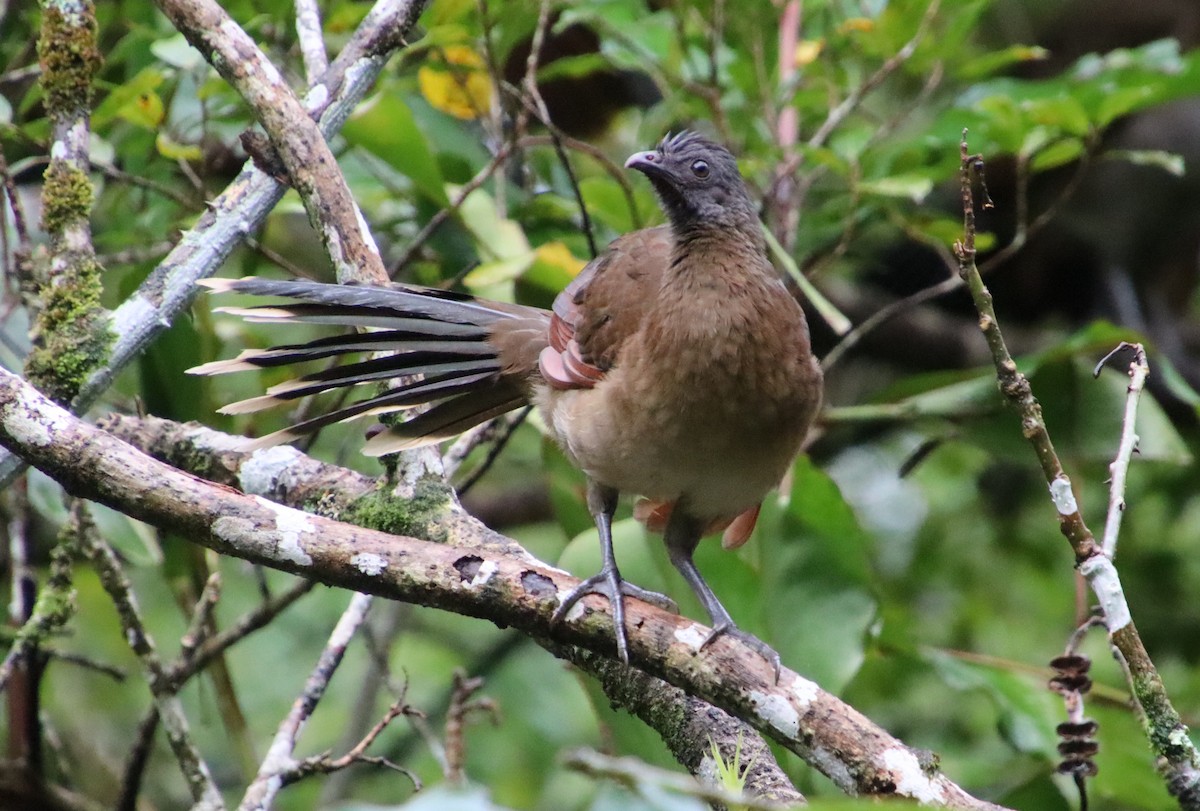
x=648 y=163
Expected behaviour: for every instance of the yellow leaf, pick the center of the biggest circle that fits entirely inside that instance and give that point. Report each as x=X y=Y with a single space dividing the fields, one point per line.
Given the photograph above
x=807 y=52
x=145 y=110
x=856 y=24
x=559 y=255
x=455 y=82
x=171 y=149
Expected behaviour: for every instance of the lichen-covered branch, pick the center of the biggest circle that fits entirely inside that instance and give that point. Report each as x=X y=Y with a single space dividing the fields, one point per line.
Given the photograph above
x=1176 y=757
x=480 y=581
x=239 y=209
x=285 y=475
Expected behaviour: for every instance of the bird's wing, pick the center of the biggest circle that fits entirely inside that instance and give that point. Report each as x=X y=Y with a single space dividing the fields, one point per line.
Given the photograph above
x=606 y=303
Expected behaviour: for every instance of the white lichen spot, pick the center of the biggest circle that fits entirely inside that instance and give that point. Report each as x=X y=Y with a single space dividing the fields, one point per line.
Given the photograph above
x=486 y=570
x=369 y=564
x=1063 y=496
x=693 y=635
x=708 y=772
x=778 y=712
x=1106 y=583
x=291 y=526
x=805 y=691
x=317 y=97
x=910 y=778
x=261 y=472
x=577 y=610
x=24 y=423
x=1179 y=737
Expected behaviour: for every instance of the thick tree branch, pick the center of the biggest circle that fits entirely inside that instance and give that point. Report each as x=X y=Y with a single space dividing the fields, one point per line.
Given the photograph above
x=481 y=581
x=289 y=477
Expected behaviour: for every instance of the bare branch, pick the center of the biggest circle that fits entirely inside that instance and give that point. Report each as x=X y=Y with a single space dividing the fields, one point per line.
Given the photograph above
x=312 y=169
x=166 y=701
x=1139 y=370
x=312 y=41
x=279 y=765
x=1176 y=757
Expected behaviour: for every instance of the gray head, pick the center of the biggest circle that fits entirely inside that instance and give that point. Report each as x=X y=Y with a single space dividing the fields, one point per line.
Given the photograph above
x=698 y=183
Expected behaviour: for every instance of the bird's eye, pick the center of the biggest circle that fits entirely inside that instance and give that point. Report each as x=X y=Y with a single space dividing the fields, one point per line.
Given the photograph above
x=700 y=169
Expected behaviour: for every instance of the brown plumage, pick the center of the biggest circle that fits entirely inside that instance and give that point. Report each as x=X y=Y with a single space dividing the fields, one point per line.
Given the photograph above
x=675 y=366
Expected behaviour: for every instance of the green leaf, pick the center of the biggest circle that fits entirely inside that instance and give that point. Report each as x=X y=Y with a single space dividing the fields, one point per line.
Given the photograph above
x=177 y=52
x=171 y=149
x=385 y=127
x=133 y=101
x=1170 y=162
x=815 y=583
x=914 y=186
x=996 y=61
x=1057 y=154
x=1028 y=711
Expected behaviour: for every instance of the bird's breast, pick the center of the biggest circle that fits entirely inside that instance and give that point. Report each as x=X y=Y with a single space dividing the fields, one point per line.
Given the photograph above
x=710 y=401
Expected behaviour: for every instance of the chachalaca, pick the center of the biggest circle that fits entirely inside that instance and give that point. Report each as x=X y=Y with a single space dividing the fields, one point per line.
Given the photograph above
x=676 y=366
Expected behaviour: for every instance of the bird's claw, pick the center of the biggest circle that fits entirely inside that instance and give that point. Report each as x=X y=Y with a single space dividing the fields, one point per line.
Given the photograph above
x=609 y=584
x=761 y=648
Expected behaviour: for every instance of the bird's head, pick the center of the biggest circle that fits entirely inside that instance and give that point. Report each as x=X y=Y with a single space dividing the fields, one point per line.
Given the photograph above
x=697 y=182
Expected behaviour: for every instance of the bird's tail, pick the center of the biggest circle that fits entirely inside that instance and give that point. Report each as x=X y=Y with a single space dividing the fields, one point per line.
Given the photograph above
x=439 y=343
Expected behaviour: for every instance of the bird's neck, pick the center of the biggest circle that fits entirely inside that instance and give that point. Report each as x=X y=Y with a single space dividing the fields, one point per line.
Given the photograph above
x=732 y=245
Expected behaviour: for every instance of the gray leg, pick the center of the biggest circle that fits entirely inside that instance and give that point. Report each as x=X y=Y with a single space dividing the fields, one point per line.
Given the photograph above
x=602 y=502
x=681 y=537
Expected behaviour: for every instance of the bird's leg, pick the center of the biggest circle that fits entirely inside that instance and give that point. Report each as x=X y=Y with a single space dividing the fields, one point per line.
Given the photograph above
x=602 y=502
x=681 y=537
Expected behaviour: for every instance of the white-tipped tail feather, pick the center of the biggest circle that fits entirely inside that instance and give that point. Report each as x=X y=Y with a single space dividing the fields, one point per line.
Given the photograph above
x=439 y=351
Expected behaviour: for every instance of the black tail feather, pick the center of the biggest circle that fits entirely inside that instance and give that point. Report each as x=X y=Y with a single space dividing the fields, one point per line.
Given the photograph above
x=439 y=349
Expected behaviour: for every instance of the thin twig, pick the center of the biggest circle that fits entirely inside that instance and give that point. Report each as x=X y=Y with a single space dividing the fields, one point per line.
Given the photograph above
x=166 y=700
x=539 y=106
x=610 y=166
x=462 y=707
x=279 y=761
x=171 y=287
x=1139 y=370
x=506 y=431
x=312 y=42
x=848 y=105
x=456 y=202
x=311 y=166
x=323 y=764
x=183 y=669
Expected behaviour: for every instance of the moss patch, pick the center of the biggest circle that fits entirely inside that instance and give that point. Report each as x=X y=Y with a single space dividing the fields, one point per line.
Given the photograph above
x=72 y=336
x=69 y=58
x=417 y=516
x=67 y=195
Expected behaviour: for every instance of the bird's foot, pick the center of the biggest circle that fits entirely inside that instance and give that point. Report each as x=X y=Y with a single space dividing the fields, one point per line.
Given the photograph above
x=762 y=648
x=608 y=583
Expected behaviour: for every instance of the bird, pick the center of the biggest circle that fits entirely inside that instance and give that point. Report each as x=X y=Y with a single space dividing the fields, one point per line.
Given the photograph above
x=676 y=366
